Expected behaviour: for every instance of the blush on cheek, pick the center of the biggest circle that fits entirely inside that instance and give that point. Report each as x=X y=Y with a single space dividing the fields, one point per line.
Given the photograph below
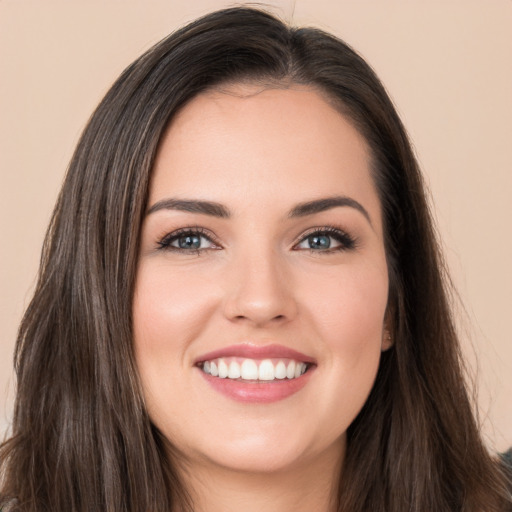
x=351 y=314
x=169 y=306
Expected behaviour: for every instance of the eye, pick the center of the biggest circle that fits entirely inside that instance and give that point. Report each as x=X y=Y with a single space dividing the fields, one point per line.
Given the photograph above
x=327 y=239
x=188 y=241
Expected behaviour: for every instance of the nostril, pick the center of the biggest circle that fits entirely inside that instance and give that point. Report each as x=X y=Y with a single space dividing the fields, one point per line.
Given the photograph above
x=259 y=305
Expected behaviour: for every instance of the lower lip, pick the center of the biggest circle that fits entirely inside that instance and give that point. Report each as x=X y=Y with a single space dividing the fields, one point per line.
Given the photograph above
x=258 y=392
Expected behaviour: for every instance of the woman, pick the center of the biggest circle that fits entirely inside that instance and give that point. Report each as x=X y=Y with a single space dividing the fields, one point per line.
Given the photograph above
x=241 y=301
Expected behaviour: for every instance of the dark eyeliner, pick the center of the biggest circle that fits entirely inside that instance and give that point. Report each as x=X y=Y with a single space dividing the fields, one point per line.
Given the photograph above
x=165 y=242
x=346 y=241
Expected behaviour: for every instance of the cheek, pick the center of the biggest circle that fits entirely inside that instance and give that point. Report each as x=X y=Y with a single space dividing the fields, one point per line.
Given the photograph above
x=168 y=314
x=348 y=317
x=349 y=306
x=168 y=308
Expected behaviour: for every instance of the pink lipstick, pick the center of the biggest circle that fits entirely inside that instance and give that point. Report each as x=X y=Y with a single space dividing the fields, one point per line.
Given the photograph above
x=255 y=373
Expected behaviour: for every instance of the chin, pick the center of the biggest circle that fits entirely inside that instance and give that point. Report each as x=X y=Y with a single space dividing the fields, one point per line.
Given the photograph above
x=255 y=452
x=258 y=460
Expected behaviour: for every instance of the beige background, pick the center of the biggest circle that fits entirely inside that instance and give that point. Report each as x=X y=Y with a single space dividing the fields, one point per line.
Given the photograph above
x=447 y=64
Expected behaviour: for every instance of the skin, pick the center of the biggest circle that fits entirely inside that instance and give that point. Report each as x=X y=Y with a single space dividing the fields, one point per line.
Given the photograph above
x=260 y=152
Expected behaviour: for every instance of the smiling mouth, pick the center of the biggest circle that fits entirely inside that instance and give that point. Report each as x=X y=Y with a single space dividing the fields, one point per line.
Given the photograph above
x=254 y=370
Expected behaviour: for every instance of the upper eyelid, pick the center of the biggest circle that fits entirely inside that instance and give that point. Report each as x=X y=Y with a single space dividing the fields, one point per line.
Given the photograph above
x=328 y=228
x=206 y=233
x=190 y=229
x=323 y=229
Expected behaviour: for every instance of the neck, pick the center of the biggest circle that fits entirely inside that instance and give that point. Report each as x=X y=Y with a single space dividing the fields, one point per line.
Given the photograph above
x=309 y=485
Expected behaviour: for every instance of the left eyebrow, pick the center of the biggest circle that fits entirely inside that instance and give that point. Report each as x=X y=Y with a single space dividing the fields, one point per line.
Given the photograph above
x=321 y=205
x=192 y=206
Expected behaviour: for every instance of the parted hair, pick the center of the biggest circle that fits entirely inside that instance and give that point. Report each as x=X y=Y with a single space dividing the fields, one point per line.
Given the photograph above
x=82 y=440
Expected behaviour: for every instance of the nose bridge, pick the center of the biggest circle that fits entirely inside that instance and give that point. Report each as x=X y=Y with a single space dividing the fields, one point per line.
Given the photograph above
x=260 y=288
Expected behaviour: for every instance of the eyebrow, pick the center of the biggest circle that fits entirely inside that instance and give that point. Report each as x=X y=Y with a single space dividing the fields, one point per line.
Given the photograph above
x=218 y=210
x=321 y=205
x=193 y=206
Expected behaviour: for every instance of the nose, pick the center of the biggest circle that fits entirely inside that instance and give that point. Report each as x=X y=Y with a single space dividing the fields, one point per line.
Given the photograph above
x=260 y=291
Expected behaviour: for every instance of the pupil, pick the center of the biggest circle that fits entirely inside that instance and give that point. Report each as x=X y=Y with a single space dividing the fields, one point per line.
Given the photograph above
x=319 y=242
x=189 y=242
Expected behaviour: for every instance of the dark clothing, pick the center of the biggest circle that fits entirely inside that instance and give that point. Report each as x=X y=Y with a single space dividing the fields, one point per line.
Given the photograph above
x=507 y=458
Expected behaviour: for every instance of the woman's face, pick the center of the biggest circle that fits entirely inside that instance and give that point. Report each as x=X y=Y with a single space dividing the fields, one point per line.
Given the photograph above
x=262 y=258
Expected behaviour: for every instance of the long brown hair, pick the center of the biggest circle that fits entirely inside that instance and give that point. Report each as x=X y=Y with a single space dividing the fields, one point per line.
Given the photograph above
x=82 y=439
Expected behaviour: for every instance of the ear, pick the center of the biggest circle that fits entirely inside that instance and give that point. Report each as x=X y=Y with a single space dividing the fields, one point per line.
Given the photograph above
x=387 y=339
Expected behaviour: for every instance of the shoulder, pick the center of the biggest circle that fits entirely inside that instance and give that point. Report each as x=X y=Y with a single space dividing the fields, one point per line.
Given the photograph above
x=507 y=458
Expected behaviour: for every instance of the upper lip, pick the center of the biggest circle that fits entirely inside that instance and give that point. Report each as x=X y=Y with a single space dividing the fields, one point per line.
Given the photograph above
x=252 y=351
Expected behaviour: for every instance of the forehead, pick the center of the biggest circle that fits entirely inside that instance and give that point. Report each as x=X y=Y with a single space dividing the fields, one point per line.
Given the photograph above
x=254 y=143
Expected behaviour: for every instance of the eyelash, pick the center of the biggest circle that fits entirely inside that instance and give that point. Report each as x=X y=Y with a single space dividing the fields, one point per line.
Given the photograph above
x=167 y=240
x=346 y=241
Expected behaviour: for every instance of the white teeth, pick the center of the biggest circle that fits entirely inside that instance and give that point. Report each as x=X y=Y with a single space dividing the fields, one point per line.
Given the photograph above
x=234 y=370
x=223 y=369
x=266 y=370
x=290 y=370
x=249 y=369
x=280 y=371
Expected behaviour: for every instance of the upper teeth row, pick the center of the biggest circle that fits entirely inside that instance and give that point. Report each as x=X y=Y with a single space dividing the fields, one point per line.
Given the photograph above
x=250 y=369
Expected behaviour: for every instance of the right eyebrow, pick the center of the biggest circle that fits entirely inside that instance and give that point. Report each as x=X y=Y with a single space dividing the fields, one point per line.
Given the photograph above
x=191 y=205
x=323 y=204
